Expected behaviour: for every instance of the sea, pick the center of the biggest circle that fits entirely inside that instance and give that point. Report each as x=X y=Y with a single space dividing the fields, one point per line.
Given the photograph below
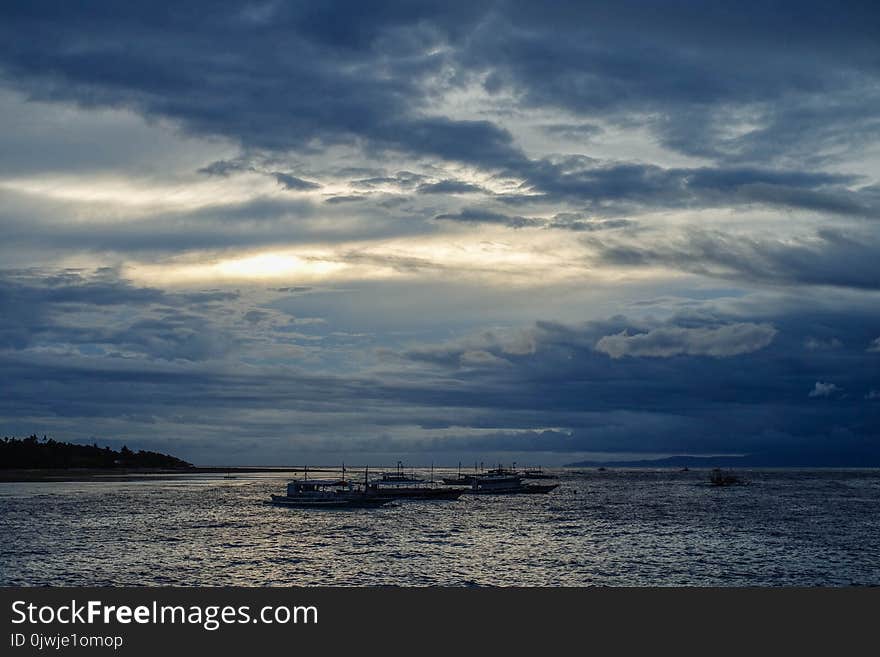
x=616 y=527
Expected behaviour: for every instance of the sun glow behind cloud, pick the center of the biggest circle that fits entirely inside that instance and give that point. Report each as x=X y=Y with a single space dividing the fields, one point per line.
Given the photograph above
x=492 y=256
x=129 y=193
x=267 y=266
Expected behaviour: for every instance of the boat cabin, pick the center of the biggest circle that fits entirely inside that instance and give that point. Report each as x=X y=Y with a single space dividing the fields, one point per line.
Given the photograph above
x=298 y=487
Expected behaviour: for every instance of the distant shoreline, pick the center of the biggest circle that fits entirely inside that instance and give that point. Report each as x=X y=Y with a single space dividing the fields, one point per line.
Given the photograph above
x=18 y=475
x=62 y=475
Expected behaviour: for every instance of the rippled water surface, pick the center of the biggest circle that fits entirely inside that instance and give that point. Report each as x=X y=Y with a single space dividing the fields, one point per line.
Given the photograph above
x=599 y=528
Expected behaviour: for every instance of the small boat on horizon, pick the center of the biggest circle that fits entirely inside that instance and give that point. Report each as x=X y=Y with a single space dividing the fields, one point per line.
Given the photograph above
x=720 y=478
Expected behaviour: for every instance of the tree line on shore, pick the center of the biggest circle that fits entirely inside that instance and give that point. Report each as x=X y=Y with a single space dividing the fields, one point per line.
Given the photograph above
x=34 y=452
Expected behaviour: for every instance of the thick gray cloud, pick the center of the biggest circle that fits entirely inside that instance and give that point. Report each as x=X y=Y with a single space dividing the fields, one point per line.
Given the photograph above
x=479 y=216
x=293 y=183
x=697 y=70
x=574 y=227
x=829 y=258
x=720 y=342
x=611 y=188
x=206 y=364
x=573 y=131
x=42 y=312
x=377 y=89
x=449 y=187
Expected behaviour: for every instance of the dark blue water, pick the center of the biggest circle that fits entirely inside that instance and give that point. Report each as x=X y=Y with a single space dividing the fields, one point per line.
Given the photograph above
x=617 y=528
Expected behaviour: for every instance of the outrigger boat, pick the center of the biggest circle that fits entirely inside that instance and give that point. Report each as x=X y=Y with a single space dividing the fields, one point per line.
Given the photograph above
x=398 y=484
x=513 y=486
x=536 y=473
x=506 y=482
x=327 y=494
x=460 y=479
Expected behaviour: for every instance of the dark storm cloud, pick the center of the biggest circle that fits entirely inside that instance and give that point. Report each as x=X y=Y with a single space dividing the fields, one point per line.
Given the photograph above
x=693 y=373
x=564 y=221
x=692 y=67
x=767 y=94
x=345 y=198
x=831 y=257
x=293 y=183
x=405 y=180
x=225 y=168
x=611 y=188
x=704 y=380
x=580 y=223
x=293 y=78
x=26 y=300
x=42 y=311
x=260 y=221
x=288 y=82
x=664 y=342
x=449 y=187
x=478 y=216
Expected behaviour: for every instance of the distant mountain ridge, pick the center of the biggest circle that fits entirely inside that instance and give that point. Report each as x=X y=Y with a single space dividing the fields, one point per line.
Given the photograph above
x=869 y=458
x=32 y=452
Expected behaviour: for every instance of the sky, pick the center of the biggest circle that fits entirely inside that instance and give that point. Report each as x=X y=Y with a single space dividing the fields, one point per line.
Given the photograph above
x=280 y=233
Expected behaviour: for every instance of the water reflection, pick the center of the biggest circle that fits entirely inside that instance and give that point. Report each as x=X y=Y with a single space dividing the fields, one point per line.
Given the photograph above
x=599 y=528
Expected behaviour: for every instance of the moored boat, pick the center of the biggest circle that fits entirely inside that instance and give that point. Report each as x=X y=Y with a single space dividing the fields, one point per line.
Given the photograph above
x=398 y=484
x=461 y=479
x=506 y=482
x=536 y=473
x=327 y=494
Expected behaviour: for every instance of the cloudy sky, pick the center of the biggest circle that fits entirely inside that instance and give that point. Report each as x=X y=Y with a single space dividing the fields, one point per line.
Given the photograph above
x=278 y=232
